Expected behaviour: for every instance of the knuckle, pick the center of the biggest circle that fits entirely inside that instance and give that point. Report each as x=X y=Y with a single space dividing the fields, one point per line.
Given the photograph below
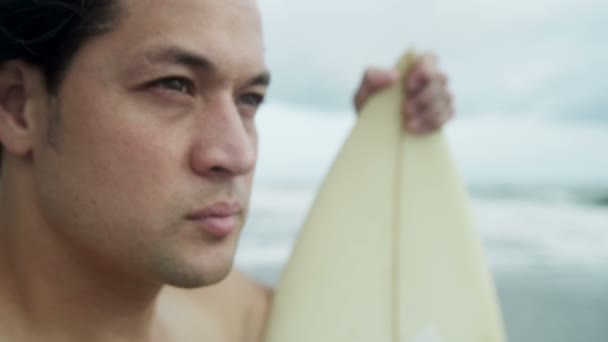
x=449 y=98
x=443 y=78
x=369 y=75
x=358 y=100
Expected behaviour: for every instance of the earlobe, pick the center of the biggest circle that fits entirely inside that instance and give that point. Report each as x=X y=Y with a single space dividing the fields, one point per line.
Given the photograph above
x=15 y=92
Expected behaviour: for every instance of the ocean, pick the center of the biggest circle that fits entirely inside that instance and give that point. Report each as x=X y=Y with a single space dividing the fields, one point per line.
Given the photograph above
x=538 y=194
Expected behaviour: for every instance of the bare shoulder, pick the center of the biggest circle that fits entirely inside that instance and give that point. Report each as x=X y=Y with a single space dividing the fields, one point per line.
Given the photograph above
x=238 y=306
x=258 y=299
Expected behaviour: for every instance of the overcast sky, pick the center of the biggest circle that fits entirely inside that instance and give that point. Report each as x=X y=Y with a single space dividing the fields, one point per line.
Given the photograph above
x=517 y=57
x=529 y=77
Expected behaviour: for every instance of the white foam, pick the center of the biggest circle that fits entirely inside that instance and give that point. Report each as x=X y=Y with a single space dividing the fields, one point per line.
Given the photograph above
x=527 y=234
x=253 y=257
x=517 y=233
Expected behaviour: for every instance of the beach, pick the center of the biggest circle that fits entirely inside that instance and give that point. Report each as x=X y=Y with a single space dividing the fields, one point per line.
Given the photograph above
x=548 y=254
x=538 y=191
x=557 y=305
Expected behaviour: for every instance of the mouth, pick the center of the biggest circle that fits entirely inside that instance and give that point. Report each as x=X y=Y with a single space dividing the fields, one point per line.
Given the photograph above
x=218 y=220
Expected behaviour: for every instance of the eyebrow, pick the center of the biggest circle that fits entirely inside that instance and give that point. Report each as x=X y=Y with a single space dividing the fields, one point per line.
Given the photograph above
x=176 y=55
x=262 y=79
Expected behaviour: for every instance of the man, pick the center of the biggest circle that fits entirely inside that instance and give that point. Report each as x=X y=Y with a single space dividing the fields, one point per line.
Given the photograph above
x=128 y=151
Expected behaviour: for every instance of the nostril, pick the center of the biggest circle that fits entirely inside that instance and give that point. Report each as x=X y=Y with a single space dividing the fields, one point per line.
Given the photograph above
x=219 y=170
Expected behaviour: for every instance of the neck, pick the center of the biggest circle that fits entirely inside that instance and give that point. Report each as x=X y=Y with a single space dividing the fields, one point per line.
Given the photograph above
x=54 y=289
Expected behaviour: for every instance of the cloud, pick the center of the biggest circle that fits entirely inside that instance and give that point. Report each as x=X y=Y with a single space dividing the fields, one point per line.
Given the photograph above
x=298 y=146
x=519 y=57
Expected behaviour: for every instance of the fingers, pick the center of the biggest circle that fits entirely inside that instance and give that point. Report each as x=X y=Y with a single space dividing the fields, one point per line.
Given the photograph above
x=428 y=118
x=374 y=80
x=421 y=73
x=429 y=102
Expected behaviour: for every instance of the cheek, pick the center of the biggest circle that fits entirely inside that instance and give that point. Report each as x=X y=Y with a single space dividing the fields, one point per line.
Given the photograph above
x=122 y=169
x=126 y=143
x=123 y=160
x=110 y=186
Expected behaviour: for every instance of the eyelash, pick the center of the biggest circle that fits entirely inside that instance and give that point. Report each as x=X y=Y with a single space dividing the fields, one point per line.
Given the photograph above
x=186 y=86
x=251 y=99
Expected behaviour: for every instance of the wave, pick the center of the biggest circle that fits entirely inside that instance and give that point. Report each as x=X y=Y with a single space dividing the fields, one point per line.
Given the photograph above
x=591 y=196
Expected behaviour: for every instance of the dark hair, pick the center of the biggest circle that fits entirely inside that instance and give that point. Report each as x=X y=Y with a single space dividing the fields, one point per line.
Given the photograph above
x=48 y=33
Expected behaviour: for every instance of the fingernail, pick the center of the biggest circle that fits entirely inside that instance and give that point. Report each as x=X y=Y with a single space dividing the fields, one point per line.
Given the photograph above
x=392 y=75
x=411 y=83
x=414 y=83
x=415 y=124
x=411 y=108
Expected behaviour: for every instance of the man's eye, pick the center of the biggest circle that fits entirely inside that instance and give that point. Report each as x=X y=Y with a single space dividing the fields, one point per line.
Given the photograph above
x=175 y=84
x=251 y=99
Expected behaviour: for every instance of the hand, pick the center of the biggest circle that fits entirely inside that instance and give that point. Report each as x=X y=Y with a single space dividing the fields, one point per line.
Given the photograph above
x=429 y=102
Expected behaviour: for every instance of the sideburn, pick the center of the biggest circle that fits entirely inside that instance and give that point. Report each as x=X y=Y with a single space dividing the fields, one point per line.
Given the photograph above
x=54 y=126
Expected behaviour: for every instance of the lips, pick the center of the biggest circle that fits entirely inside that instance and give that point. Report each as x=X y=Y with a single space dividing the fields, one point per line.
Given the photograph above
x=217 y=220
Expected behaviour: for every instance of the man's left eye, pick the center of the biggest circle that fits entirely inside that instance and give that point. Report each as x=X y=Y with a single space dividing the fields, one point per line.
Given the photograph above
x=251 y=99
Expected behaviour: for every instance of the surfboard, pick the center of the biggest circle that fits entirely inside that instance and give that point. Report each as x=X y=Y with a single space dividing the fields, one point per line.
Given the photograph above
x=388 y=252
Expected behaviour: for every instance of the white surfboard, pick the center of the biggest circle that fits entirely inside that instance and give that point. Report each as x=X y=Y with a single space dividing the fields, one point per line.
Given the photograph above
x=388 y=252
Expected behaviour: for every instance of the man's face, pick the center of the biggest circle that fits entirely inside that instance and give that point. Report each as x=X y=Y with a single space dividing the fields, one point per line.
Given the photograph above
x=149 y=164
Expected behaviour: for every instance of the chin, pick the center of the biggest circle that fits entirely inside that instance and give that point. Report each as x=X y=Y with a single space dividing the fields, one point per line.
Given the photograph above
x=200 y=278
x=202 y=270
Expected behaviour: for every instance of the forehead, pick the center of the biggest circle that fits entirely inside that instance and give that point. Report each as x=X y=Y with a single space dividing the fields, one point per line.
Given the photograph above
x=227 y=32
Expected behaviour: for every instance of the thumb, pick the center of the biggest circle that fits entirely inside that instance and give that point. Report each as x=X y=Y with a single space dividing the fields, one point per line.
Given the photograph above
x=374 y=79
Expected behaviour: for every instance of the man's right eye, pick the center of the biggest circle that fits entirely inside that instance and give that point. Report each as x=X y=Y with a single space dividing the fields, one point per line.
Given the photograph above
x=177 y=84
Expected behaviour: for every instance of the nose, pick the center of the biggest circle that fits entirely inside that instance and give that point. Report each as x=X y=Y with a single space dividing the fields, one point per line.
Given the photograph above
x=226 y=143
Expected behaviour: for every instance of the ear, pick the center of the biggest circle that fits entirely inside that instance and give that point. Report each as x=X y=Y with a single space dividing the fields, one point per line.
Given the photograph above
x=20 y=88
